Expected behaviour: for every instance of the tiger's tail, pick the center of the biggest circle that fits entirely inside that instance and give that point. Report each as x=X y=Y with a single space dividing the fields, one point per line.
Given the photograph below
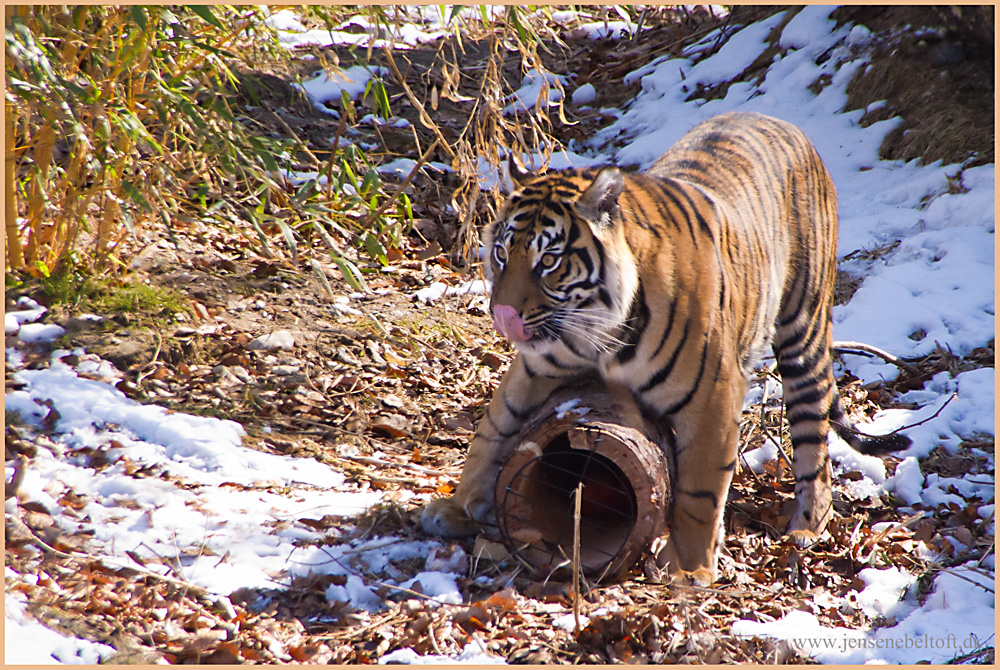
x=873 y=445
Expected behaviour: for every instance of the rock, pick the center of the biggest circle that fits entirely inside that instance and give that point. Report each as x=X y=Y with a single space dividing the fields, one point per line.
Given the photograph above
x=278 y=340
x=346 y=357
x=224 y=376
x=77 y=324
x=241 y=373
x=128 y=353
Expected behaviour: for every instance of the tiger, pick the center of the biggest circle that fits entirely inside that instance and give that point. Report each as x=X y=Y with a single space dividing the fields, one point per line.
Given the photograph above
x=672 y=283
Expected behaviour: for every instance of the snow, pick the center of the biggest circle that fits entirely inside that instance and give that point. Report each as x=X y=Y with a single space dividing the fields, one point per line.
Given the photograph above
x=956 y=618
x=293 y=33
x=908 y=482
x=330 y=86
x=438 y=290
x=756 y=458
x=584 y=95
x=40 y=332
x=401 y=167
x=531 y=92
x=568 y=622
x=27 y=642
x=285 y=20
x=472 y=654
x=225 y=512
x=599 y=30
x=239 y=506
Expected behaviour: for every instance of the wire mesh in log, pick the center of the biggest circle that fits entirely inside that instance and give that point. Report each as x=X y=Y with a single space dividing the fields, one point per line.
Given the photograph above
x=622 y=459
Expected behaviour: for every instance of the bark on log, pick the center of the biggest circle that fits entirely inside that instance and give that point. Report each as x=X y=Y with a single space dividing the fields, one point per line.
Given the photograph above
x=624 y=459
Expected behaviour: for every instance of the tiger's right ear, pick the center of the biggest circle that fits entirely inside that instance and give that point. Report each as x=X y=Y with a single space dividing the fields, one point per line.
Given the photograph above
x=599 y=202
x=516 y=175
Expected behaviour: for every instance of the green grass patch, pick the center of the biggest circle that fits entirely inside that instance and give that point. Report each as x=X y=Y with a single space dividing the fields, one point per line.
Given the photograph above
x=110 y=295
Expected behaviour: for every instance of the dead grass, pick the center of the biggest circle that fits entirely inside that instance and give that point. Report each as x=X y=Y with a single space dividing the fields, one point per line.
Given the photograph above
x=936 y=77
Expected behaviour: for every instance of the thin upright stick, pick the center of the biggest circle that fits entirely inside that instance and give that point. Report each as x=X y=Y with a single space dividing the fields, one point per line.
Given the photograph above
x=576 y=558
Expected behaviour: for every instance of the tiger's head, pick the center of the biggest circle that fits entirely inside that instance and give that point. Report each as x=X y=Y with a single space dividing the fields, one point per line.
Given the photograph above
x=561 y=269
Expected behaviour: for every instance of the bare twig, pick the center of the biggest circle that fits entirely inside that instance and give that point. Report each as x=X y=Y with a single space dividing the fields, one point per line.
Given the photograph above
x=933 y=416
x=150 y=367
x=869 y=350
x=303 y=145
x=971 y=581
x=767 y=433
x=578 y=498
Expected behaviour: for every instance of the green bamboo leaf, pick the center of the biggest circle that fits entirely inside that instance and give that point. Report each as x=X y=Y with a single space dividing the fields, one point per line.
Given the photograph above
x=349 y=173
x=254 y=220
x=202 y=194
x=262 y=152
x=212 y=49
x=307 y=190
x=165 y=216
x=513 y=15
x=406 y=205
x=205 y=12
x=352 y=275
x=42 y=269
x=139 y=16
x=286 y=231
x=136 y=196
x=376 y=250
x=381 y=98
x=371 y=181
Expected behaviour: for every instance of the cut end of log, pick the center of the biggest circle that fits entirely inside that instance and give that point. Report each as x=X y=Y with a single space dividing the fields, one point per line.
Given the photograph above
x=625 y=494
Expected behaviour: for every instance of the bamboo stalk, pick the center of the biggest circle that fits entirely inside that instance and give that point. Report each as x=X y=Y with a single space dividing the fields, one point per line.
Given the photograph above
x=42 y=153
x=14 y=254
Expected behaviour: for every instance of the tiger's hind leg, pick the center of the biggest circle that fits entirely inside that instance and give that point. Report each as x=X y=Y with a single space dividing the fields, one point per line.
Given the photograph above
x=809 y=390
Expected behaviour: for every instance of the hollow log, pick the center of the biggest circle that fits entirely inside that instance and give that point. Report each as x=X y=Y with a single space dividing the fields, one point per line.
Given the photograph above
x=597 y=437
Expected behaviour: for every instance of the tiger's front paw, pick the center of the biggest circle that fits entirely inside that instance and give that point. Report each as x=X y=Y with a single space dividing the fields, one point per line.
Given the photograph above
x=446 y=517
x=666 y=558
x=803 y=539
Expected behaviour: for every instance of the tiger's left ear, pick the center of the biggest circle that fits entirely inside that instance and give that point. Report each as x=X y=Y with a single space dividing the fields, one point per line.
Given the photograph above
x=599 y=203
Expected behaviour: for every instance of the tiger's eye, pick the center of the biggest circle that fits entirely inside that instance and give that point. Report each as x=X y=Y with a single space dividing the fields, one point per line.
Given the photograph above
x=549 y=260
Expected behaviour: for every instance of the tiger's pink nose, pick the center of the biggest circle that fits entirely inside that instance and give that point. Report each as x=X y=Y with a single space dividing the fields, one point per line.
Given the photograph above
x=509 y=323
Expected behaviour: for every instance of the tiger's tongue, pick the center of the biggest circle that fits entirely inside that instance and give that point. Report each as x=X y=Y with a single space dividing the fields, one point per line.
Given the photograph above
x=508 y=323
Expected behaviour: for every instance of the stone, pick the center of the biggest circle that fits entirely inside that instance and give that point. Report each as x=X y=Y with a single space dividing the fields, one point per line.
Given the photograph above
x=278 y=340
